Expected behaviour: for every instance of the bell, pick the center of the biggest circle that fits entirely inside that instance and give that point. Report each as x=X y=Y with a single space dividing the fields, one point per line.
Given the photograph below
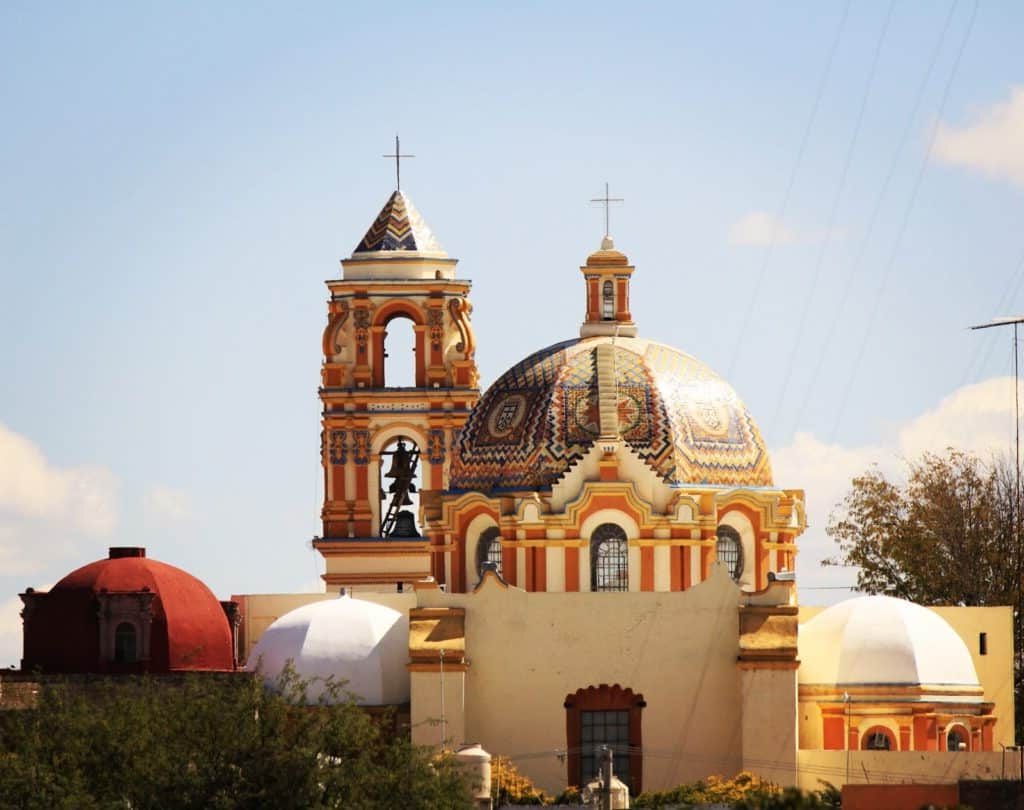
x=399 y=462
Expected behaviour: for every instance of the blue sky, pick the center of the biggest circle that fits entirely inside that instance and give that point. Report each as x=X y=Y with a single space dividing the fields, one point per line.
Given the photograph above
x=179 y=181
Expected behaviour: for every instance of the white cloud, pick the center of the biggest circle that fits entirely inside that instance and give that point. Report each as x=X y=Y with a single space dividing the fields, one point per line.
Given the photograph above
x=761 y=228
x=10 y=633
x=977 y=418
x=167 y=504
x=991 y=143
x=46 y=510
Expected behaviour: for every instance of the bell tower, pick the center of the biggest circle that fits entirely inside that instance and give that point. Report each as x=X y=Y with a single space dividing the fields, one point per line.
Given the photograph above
x=383 y=444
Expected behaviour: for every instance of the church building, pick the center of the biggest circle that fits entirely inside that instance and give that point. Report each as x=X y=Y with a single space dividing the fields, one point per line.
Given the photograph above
x=591 y=552
x=600 y=556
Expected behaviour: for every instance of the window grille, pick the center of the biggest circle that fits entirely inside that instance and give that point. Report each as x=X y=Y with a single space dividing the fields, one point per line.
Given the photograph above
x=488 y=549
x=609 y=559
x=598 y=729
x=730 y=551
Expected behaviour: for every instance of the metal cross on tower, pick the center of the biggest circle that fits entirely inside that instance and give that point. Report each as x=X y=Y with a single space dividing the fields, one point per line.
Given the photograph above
x=398 y=163
x=607 y=201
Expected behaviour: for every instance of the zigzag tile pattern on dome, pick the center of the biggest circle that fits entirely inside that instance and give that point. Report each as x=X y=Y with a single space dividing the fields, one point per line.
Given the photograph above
x=542 y=416
x=399 y=227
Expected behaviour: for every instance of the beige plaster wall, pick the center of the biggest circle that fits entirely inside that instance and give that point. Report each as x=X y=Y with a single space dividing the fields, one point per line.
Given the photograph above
x=528 y=651
x=995 y=670
x=769 y=723
x=873 y=767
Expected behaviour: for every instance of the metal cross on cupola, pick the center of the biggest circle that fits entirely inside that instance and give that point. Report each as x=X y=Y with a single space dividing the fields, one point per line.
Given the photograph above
x=398 y=163
x=607 y=201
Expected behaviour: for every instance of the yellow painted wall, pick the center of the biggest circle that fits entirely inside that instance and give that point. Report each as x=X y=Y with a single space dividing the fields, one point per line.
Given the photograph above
x=528 y=651
x=769 y=723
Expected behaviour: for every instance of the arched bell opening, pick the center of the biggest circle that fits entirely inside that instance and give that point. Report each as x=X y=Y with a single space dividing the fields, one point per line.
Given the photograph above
x=400 y=356
x=399 y=488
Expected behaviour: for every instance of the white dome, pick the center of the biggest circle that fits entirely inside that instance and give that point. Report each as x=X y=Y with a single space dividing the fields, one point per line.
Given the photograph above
x=360 y=643
x=882 y=640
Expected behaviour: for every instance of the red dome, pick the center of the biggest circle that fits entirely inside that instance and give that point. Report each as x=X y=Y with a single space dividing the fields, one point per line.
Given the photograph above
x=188 y=627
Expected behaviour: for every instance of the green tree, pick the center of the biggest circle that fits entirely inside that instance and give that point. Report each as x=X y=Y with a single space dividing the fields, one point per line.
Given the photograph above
x=210 y=742
x=950 y=534
x=945 y=536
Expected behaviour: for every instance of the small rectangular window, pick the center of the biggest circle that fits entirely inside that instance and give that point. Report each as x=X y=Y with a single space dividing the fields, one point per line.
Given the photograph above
x=982 y=643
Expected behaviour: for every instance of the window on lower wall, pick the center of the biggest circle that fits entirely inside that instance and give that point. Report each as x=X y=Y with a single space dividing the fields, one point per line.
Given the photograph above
x=604 y=715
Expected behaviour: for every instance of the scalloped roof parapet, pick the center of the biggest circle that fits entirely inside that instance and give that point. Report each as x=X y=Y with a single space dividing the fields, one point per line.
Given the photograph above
x=399 y=232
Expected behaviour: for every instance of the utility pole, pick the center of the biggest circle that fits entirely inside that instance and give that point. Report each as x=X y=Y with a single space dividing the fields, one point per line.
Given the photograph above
x=1018 y=637
x=607 y=757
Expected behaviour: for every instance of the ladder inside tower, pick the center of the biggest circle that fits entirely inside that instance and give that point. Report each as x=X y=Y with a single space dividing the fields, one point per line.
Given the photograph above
x=397 y=521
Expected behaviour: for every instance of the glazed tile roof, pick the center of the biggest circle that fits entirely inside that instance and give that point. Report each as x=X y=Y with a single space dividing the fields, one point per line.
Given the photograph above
x=544 y=414
x=399 y=227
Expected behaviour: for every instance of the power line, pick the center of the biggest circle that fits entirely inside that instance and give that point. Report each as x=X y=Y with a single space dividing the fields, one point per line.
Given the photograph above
x=897 y=242
x=789 y=190
x=834 y=209
x=801 y=403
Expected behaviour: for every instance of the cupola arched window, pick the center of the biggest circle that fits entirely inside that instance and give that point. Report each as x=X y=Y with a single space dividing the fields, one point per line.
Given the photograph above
x=957 y=737
x=125 y=644
x=730 y=551
x=609 y=559
x=488 y=549
x=878 y=738
x=608 y=301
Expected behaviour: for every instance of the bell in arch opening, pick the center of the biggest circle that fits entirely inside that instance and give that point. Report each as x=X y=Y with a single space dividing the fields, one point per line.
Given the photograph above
x=399 y=491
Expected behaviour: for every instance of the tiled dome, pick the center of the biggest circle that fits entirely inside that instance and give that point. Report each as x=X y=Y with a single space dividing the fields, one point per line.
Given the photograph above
x=544 y=413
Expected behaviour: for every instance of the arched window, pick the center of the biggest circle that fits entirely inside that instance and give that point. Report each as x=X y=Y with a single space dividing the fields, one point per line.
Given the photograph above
x=609 y=559
x=878 y=738
x=956 y=737
x=400 y=353
x=488 y=549
x=399 y=488
x=599 y=716
x=125 y=644
x=608 y=301
x=730 y=551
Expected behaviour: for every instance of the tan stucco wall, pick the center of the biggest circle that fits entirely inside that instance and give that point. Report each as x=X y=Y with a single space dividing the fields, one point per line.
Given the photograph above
x=769 y=723
x=901 y=766
x=528 y=651
x=995 y=670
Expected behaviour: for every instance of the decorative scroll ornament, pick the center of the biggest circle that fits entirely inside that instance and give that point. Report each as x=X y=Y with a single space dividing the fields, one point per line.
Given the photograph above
x=333 y=331
x=459 y=309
